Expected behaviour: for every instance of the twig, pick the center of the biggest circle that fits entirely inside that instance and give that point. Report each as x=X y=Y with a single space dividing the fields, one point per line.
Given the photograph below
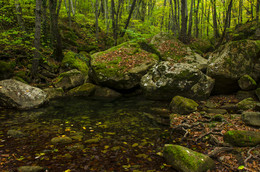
x=250 y=155
x=217 y=150
x=185 y=135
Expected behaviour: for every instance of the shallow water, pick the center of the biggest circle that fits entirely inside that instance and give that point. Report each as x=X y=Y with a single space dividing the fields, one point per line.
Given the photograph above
x=110 y=135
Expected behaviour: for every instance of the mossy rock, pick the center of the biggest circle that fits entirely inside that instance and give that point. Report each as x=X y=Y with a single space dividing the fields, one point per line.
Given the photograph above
x=61 y=140
x=186 y=160
x=30 y=169
x=73 y=60
x=122 y=66
x=182 y=105
x=6 y=69
x=201 y=46
x=246 y=83
x=54 y=92
x=86 y=89
x=246 y=104
x=242 y=138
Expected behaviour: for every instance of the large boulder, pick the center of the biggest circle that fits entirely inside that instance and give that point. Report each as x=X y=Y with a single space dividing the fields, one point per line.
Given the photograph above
x=121 y=67
x=251 y=118
x=70 y=79
x=15 y=94
x=247 y=83
x=186 y=160
x=174 y=50
x=242 y=138
x=231 y=61
x=168 y=79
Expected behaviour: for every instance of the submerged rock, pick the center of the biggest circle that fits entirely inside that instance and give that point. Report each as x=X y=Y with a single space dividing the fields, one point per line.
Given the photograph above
x=167 y=79
x=54 y=92
x=70 y=79
x=15 y=133
x=86 y=89
x=186 y=160
x=30 y=169
x=121 y=67
x=242 y=138
x=106 y=93
x=15 y=94
x=232 y=61
x=182 y=105
x=251 y=118
x=61 y=140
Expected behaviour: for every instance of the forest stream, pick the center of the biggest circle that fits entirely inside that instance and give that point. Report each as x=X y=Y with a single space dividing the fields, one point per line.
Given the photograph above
x=98 y=135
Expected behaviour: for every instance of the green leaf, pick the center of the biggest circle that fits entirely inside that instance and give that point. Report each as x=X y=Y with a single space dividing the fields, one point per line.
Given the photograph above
x=241 y=167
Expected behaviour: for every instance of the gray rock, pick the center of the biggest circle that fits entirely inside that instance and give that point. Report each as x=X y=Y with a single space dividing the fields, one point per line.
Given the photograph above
x=246 y=104
x=217 y=111
x=242 y=138
x=182 y=105
x=231 y=61
x=30 y=169
x=86 y=89
x=70 y=79
x=16 y=94
x=15 y=133
x=103 y=92
x=247 y=83
x=167 y=79
x=186 y=160
x=61 y=140
x=251 y=118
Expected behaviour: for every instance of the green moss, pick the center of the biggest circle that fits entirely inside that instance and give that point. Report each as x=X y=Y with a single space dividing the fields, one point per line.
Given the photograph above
x=75 y=61
x=86 y=89
x=242 y=138
x=183 y=105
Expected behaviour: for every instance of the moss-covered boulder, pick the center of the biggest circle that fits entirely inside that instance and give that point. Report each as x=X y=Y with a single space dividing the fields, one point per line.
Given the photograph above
x=251 y=118
x=182 y=105
x=106 y=93
x=232 y=61
x=86 y=89
x=6 y=69
x=73 y=60
x=168 y=79
x=54 y=92
x=201 y=46
x=241 y=95
x=186 y=160
x=245 y=31
x=70 y=79
x=16 y=94
x=246 y=104
x=246 y=82
x=174 y=50
x=121 y=67
x=242 y=138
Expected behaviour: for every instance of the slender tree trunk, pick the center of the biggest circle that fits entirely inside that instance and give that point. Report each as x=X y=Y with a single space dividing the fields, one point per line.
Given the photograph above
x=113 y=21
x=228 y=15
x=37 y=39
x=215 y=23
x=164 y=4
x=19 y=15
x=183 y=35
x=129 y=17
x=190 y=19
x=44 y=21
x=240 y=18
x=173 y=19
x=257 y=11
x=197 y=19
x=96 y=13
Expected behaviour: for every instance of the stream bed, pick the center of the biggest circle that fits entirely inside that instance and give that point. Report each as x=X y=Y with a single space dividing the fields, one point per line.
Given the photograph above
x=119 y=135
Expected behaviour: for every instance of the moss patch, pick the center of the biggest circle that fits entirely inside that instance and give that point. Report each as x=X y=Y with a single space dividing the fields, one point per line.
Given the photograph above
x=183 y=105
x=242 y=138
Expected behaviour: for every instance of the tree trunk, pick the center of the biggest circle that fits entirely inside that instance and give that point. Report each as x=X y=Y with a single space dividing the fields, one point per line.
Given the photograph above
x=129 y=17
x=96 y=13
x=37 y=39
x=19 y=15
x=164 y=4
x=113 y=21
x=197 y=19
x=44 y=21
x=183 y=35
x=55 y=35
x=215 y=24
x=257 y=11
x=190 y=19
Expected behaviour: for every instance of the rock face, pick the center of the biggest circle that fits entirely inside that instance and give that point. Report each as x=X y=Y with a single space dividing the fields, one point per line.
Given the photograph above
x=16 y=94
x=242 y=138
x=231 y=61
x=186 y=160
x=251 y=118
x=167 y=79
x=247 y=83
x=70 y=79
x=121 y=67
x=172 y=49
x=182 y=105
